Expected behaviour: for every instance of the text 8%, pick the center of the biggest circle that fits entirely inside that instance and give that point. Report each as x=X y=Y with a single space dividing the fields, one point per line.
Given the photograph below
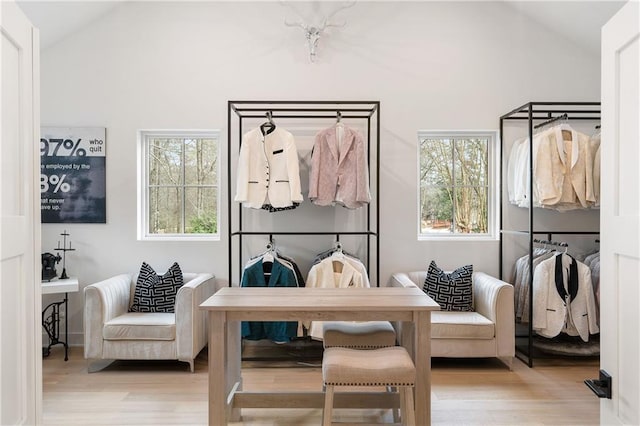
x=55 y=181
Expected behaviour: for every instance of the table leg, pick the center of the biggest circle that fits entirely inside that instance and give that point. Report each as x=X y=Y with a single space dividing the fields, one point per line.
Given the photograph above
x=234 y=365
x=217 y=374
x=423 y=367
x=66 y=327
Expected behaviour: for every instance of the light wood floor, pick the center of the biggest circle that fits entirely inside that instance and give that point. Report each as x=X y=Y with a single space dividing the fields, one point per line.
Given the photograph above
x=464 y=392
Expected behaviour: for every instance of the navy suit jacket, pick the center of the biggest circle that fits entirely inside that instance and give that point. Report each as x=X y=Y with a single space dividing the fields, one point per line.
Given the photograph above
x=281 y=276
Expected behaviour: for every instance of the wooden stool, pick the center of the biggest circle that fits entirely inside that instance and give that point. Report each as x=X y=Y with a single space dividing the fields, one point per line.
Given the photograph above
x=358 y=335
x=391 y=366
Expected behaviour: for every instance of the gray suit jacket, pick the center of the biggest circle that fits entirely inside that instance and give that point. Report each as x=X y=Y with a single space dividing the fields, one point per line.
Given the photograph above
x=339 y=171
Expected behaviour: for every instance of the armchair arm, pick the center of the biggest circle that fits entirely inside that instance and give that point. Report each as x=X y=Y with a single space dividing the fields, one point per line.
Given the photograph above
x=405 y=330
x=191 y=322
x=404 y=279
x=493 y=299
x=103 y=301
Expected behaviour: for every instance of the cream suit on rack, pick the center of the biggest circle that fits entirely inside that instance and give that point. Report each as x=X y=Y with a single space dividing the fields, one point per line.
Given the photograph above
x=551 y=312
x=326 y=274
x=268 y=171
x=563 y=170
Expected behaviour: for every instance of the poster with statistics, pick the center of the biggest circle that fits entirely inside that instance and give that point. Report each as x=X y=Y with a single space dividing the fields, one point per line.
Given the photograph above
x=73 y=174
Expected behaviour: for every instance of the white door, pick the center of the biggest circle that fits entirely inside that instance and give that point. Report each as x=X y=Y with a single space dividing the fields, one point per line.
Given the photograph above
x=620 y=216
x=20 y=304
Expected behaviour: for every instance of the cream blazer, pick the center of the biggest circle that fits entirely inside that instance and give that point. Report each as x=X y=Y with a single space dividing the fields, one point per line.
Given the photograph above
x=339 y=172
x=268 y=170
x=323 y=275
x=563 y=170
x=551 y=315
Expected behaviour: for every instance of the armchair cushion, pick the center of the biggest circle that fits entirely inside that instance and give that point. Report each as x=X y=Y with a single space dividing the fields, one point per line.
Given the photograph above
x=452 y=291
x=461 y=325
x=141 y=326
x=156 y=293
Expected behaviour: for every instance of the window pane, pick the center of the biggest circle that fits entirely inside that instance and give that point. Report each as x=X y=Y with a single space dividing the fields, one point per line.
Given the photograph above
x=165 y=161
x=472 y=210
x=436 y=212
x=201 y=211
x=435 y=162
x=470 y=161
x=165 y=210
x=201 y=159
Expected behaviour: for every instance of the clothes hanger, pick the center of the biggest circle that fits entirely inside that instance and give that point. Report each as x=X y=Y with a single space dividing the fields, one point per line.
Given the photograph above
x=268 y=255
x=561 y=120
x=268 y=126
x=337 y=257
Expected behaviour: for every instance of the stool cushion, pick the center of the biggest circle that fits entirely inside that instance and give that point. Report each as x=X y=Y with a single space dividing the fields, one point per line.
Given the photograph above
x=358 y=335
x=390 y=366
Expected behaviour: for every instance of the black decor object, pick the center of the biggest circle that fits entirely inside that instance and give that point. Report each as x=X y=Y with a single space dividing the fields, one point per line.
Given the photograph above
x=64 y=249
x=49 y=266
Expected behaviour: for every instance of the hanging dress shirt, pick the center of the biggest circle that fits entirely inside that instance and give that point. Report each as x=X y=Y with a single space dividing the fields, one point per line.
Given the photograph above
x=521 y=281
x=594 y=145
x=268 y=171
x=514 y=174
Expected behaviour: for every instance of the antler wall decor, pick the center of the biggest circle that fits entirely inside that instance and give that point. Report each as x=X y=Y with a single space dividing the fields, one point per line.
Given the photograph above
x=313 y=32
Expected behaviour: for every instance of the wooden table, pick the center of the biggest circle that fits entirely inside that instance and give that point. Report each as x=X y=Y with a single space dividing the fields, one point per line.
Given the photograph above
x=231 y=305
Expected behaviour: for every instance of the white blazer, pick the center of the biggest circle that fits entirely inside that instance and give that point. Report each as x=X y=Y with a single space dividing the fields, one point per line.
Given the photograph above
x=268 y=171
x=551 y=315
x=323 y=275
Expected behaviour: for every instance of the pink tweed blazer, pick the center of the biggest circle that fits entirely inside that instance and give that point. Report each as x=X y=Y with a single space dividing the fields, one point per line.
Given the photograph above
x=339 y=171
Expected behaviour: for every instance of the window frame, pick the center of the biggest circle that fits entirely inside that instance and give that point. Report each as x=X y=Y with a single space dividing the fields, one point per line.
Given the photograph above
x=144 y=135
x=493 y=187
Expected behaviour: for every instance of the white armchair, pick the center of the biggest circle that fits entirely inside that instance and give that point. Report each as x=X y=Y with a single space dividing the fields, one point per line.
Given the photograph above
x=488 y=331
x=111 y=332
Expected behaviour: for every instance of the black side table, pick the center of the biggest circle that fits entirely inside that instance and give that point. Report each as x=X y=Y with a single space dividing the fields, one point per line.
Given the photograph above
x=51 y=313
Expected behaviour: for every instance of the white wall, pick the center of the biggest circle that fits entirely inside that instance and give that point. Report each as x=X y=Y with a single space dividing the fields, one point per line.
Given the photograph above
x=167 y=65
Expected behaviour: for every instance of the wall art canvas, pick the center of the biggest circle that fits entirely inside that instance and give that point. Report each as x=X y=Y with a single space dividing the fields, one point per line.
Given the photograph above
x=73 y=174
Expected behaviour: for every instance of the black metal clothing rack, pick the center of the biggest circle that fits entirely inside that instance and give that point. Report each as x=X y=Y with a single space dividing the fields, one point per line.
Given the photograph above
x=532 y=113
x=303 y=110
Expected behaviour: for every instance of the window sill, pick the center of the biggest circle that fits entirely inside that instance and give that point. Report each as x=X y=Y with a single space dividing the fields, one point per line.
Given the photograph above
x=180 y=238
x=456 y=238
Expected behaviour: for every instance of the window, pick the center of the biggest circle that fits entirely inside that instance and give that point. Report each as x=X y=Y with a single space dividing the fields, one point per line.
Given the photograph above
x=457 y=184
x=178 y=189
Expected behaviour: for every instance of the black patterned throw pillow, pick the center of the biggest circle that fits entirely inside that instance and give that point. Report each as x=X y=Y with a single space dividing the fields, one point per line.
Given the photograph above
x=452 y=291
x=156 y=293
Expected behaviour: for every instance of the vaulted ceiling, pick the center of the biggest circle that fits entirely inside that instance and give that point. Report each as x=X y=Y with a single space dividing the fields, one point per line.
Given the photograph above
x=578 y=21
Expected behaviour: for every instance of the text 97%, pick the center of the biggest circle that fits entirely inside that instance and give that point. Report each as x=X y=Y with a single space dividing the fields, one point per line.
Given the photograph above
x=51 y=147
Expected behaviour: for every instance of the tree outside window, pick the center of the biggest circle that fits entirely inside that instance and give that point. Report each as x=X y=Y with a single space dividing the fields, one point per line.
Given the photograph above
x=181 y=183
x=455 y=196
